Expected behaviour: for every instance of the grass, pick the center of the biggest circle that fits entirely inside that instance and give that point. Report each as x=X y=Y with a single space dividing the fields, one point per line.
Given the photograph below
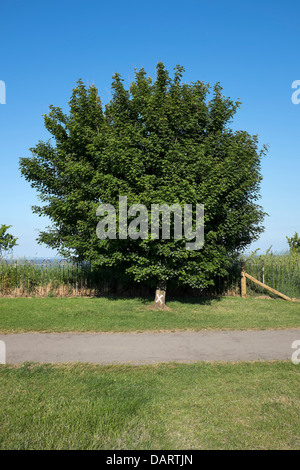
x=171 y=406
x=121 y=315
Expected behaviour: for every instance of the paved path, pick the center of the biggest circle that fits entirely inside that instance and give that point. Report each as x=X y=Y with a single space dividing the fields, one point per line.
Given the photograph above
x=142 y=348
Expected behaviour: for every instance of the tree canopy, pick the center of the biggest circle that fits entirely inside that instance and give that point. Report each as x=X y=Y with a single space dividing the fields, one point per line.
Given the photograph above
x=7 y=241
x=294 y=243
x=159 y=141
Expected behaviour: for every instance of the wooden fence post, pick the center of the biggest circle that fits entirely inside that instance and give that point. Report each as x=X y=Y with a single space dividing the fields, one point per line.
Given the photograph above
x=243 y=281
x=15 y=292
x=76 y=279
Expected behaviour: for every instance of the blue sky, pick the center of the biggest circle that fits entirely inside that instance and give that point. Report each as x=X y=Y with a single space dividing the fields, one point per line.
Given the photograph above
x=252 y=48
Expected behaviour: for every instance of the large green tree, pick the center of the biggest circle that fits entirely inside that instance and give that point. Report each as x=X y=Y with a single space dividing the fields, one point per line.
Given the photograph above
x=160 y=141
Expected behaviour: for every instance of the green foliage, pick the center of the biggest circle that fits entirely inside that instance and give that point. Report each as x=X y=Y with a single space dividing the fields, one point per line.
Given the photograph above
x=280 y=271
x=294 y=243
x=7 y=241
x=161 y=141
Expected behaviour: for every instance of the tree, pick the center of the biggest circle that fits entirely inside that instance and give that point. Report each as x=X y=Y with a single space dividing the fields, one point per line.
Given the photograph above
x=7 y=241
x=161 y=141
x=294 y=243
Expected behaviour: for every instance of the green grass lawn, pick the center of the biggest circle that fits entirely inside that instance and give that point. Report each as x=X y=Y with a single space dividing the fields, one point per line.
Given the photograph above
x=172 y=406
x=115 y=314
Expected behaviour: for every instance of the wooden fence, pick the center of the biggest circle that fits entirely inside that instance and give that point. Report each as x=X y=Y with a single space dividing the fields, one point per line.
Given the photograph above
x=62 y=278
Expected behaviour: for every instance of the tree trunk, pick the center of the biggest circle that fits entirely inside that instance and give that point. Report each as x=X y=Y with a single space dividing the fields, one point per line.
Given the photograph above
x=160 y=295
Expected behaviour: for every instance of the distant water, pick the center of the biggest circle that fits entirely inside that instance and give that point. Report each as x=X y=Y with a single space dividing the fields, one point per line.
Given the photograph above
x=33 y=260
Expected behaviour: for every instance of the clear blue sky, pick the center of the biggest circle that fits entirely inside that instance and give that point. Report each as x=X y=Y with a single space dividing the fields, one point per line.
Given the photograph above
x=252 y=48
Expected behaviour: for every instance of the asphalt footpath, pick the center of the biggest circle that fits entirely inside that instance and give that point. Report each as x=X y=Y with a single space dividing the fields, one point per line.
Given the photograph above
x=149 y=347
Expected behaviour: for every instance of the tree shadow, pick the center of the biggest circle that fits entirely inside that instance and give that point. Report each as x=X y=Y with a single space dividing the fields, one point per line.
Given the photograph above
x=205 y=300
x=145 y=300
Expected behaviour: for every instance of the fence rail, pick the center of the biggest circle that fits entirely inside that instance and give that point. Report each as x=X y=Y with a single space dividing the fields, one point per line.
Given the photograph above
x=63 y=279
x=279 y=273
